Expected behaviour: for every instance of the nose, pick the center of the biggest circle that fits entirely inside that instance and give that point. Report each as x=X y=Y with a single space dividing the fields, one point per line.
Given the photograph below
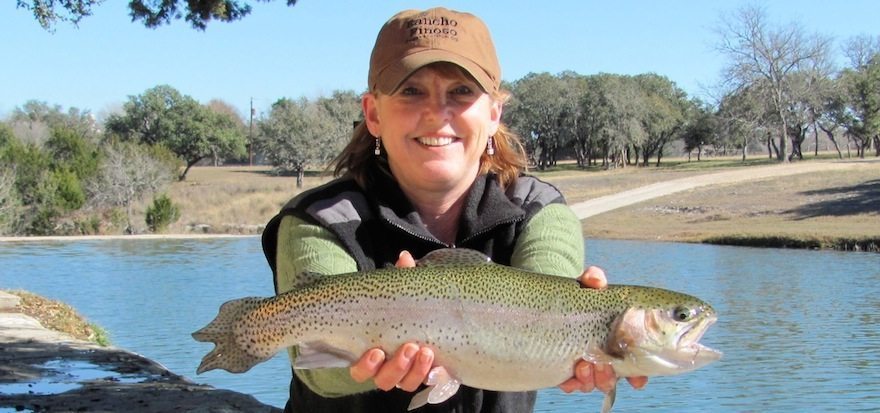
x=437 y=107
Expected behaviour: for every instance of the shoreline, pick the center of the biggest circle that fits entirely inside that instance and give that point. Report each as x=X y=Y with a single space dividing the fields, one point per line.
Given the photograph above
x=135 y=237
x=756 y=241
x=617 y=203
x=46 y=370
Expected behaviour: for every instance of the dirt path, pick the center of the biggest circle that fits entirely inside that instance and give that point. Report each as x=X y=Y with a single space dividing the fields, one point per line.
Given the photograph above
x=607 y=203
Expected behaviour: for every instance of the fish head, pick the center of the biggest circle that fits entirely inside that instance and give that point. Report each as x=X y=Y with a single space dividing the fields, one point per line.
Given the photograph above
x=662 y=339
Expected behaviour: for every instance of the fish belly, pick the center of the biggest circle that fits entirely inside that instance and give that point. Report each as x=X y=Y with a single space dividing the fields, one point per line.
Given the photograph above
x=483 y=345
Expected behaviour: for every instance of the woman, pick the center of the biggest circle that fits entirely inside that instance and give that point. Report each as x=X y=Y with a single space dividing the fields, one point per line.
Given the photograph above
x=431 y=166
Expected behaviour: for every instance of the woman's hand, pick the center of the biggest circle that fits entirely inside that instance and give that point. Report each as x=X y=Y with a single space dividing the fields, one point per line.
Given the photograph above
x=407 y=368
x=589 y=376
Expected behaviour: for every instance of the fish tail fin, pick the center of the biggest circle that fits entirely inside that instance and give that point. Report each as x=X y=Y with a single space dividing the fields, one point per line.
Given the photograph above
x=227 y=353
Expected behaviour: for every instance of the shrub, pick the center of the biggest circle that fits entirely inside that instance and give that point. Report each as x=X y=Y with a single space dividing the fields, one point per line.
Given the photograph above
x=162 y=213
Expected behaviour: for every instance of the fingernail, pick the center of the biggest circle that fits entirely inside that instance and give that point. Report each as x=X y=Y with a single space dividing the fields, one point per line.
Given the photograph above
x=375 y=357
x=584 y=369
x=409 y=352
x=425 y=356
x=600 y=368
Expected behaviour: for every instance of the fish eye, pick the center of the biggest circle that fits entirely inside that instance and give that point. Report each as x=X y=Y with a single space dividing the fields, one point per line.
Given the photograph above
x=683 y=313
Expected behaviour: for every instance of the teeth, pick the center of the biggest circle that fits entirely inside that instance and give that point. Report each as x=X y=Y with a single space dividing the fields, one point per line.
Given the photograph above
x=435 y=141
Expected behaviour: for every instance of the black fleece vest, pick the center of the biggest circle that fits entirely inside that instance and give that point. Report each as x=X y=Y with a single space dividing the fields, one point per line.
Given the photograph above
x=374 y=225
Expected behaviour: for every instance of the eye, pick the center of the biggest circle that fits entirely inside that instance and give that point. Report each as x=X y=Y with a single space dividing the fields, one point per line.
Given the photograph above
x=409 y=91
x=683 y=313
x=462 y=90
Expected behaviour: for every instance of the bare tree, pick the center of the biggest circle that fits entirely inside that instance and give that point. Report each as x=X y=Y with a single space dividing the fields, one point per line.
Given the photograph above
x=769 y=57
x=861 y=49
x=128 y=174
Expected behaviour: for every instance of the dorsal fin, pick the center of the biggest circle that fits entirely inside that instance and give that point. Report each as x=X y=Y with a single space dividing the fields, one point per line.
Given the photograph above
x=453 y=256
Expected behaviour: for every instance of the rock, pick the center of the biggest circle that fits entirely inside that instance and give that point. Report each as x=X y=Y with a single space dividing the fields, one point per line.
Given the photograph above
x=39 y=372
x=8 y=302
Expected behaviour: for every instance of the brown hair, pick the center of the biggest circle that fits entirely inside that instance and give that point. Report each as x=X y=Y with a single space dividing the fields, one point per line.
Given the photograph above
x=508 y=162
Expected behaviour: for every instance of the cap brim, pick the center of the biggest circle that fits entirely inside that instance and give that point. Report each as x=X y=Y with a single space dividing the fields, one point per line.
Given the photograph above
x=391 y=78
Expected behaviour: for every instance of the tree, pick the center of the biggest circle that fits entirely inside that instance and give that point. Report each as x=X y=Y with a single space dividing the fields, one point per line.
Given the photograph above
x=163 y=116
x=224 y=108
x=49 y=179
x=148 y=118
x=10 y=203
x=540 y=113
x=129 y=172
x=768 y=57
x=152 y=13
x=861 y=49
x=700 y=131
x=71 y=151
x=744 y=117
x=299 y=134
x=576 y=133
x=48 y=13
x=161 y=214
x=861 y=118
x=599 y=119
x=859 y=106
x=625 y=128
x=35 y=120
x=664 y=108
x=205 y=133
x=10 y=200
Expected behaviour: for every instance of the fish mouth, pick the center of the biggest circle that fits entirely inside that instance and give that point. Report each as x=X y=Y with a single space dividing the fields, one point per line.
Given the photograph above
x=689 y=343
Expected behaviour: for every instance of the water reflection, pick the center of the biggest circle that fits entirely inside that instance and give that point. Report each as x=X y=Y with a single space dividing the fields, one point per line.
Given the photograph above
x=799 y=329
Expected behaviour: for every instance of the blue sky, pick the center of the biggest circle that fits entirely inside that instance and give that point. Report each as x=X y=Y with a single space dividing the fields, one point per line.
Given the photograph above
x=319 y=46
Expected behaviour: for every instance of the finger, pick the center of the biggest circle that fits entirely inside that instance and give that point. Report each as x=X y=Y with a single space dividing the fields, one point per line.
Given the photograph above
x=583 y=372
x=570 y=385
x=367 y=366
x=395 y=368
x=418 y=372
x=593 y=277
x=638 y=382
x=405 y=259
x=604 y=377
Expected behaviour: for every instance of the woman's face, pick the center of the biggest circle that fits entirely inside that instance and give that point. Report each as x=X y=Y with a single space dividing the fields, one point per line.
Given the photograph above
x=434 y=128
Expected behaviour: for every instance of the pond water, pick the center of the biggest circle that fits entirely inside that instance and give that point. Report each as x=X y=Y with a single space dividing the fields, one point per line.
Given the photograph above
x=800 y=329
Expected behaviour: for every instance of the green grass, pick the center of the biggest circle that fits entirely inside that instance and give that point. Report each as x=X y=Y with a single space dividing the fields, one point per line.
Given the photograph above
x=867 y=244
x=831 y=209
x=58 y=316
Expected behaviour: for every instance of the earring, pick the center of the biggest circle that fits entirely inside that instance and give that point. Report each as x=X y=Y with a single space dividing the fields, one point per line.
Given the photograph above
x=377 y=151
x=490 y=147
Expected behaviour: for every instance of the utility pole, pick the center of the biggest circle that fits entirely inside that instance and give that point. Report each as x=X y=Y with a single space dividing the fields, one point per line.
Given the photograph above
x=251 y=136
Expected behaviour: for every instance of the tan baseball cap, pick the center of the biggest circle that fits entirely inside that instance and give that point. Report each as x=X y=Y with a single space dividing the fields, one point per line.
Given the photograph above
x=412 y=39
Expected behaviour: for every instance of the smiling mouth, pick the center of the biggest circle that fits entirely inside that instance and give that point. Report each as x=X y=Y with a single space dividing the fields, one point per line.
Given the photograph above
x=435 y=141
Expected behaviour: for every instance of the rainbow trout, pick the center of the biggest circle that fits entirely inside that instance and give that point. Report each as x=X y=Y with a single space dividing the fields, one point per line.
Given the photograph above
x=492 y=327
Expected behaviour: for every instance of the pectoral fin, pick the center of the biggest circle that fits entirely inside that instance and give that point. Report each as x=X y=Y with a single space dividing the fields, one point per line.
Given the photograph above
x=608 y=402
x=441 y=386
x=597 y=355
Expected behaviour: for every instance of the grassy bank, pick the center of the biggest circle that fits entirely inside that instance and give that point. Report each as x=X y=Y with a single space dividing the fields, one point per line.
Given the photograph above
x=836 y=210
x=823 y=210
x=58 y=316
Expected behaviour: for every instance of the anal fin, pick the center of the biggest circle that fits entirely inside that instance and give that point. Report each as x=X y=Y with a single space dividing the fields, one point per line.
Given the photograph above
x=441 y=386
